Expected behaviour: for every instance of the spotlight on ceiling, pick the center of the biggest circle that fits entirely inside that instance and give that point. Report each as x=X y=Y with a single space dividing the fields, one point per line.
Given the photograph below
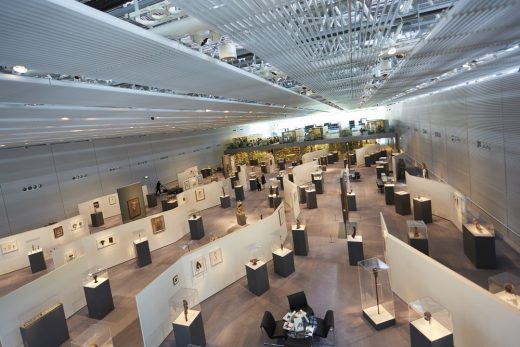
x=392 y=51
x=19 y=69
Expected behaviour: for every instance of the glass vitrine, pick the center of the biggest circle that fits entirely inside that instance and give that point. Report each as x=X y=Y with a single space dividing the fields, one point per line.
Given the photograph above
x=430 y=324
x=505 y=286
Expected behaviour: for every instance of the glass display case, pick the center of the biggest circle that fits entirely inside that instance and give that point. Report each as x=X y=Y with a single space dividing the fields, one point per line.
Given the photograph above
x=311 y=187
x=289 y=136
x=505 y=286
x=478 y=226
x=95 y=276
x=430 y=324
x=183 y=300
x=377 y=301
x=352 y=231
x=96 y=335
x=417 y=229
x=193 y=214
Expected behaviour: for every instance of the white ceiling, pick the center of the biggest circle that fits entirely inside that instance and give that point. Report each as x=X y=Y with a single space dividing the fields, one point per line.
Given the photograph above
x=67 y=37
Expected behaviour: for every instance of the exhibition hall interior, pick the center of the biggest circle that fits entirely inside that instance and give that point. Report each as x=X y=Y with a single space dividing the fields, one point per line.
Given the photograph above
x=223 y=173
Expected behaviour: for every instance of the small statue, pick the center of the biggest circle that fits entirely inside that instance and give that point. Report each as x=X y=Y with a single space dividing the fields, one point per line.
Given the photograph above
x=254 y=261
x=298 y=225
x=194 y=216
x=96 y=206
x=93 y=345
x=477 y=225
x=281 y=242
x=416 y=232
x=185 y=305
x=240 y=208
x=33 y=247
x=509 y=288
x=428 y=317
x=223 y=192
x=354 y=231
x=94 y=276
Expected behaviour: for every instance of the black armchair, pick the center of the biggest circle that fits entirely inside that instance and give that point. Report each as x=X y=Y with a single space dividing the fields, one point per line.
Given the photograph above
x=325 y=325
x=273 y=328
x=298 y=301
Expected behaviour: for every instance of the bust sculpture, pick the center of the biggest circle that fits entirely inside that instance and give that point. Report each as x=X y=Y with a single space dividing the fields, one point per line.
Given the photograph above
x=194 y=216
x=254 y=261
x=509 y=288
x=185 y=306
x=428 y=317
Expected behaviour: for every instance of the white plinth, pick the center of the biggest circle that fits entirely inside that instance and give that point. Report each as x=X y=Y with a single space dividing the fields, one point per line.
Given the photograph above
x=432 y=330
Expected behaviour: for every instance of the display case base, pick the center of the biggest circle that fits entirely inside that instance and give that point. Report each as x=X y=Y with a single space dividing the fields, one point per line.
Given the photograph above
x=420 y=244
x=49 y=328
x=418 y=339
x=225 y=201
x=379 y=321
x=196 y=228
x=283 y=262
x=355 y=250
x=257 y=279
x=191 y=332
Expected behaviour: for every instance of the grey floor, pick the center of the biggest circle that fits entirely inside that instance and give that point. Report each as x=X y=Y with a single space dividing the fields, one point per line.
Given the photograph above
x=232 y=317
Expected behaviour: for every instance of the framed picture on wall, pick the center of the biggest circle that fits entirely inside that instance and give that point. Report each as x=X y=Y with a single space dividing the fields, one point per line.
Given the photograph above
x=215 y=257
x=112 y=200
x=8 y=247
x=70 y=255
x=106 y=241
x=58 y=232
x=186 y=185
x=158 y=225
x=198 y=266
x=199 y=194
x=200 y=179
x=134 y=208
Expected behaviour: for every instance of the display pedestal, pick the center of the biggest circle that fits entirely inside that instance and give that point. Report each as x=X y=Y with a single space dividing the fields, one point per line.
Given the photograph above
x=351 y=200
x=97 y=219
x=142 y=250
x=263 y=168
x=239 y=193
x=310 y=196
x=330 y=158
x=402 y=203
x=257 y=279
x=319 y=185
x=353 y=158
x=281 y=165
x=335 y=156
x=389 y=194
x=169 y=204
x=151 y=200
x=225 y=201
x=301 y=194
x=479 y=247
x=420 y=243
x=277 y=200
x=283 y=261
x=196 y=228
x=425 y=334
x=37 y=261
x=241 y=218
x=190 y=332
x=291 y=177
x=99 y=298
x=380 y=320
x=300 y=240
x=355 y=249
x=280 y=179
x=379 y=170
x=368 y=160
x=252 y=184
x=422 y=209
x=49 y=328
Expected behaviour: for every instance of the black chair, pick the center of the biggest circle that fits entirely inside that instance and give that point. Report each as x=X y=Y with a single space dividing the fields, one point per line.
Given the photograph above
x=273 y=328
x=324 y=326
x=298 y=301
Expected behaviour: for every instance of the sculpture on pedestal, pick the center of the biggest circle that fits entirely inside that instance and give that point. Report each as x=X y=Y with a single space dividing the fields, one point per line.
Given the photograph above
x=185 y=306
x=298 y=225
x=354 y=231
x=428 y=317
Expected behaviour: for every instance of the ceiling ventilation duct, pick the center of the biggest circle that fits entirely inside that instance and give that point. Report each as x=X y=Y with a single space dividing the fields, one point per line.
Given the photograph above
x=227 y=52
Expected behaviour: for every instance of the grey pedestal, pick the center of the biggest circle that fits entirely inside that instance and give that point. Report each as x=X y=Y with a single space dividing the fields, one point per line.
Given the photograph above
x=351 y=199
x=335 y=156
x=257 y=279
x=241 y=218
x=151 y=200
x=418 y=339
x=353 y=159
x=191 y=332
x=479 y=247
x=323 y=160
x=46 y=329
x=389 y=194
x=281 y=165
x=379 y=170
x=252 y=184
x=97 y=219
x=283 y=261
x=300 y=240
x=167 y=205
x=291 y=177
x=37 y=261
x=196 y=228
x=142 y=250
x=270 y=198
x=239 y=193
x=280 y=179
x=225 y=201
x=99 y=298
x=310 y=196
x=422 y=209
x=368 y=160
x=301 y=195
x=355 y=249
x=318 y=185
x=419 y=243
x=263 y=168
x=330 y=158
x=402 y=203
x=277 y=200
x=233 y=179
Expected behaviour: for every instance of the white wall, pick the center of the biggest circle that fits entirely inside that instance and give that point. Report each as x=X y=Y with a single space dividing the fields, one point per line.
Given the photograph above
x=302 y=173
x=186 y=174
x=152 y=301
x=365 y=150
x=290 y=195
x=309 y=157
x=479 y=318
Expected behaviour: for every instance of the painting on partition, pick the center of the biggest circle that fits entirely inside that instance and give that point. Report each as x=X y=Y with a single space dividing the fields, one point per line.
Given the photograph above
x=112 y=200
x=70 y=255
x=158 y=225
x=186 y=185
x=76 y=224
x=200 y=179
x=199 y=194
x=134 y=208
x=198 y=265
x=215 y=257
x=58 y=232
x=106 y=241
x=8 y=247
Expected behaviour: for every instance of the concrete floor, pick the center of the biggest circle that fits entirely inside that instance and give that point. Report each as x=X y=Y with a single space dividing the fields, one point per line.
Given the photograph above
x=232 y=317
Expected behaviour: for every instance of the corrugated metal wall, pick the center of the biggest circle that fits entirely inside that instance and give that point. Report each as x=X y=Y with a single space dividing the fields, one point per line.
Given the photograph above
x=470 y=138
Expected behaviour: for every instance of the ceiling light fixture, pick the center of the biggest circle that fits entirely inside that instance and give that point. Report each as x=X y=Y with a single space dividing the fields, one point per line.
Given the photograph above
x=65 y=118
x=392 y=51
x=19 y=69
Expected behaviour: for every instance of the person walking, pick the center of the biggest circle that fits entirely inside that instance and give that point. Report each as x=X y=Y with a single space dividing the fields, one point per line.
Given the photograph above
x=158 y=188
x=258 y=184
x=263 y=180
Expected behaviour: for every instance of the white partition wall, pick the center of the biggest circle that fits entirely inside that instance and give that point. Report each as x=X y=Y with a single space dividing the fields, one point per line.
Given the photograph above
x=290 y=196
x=309 y=157
x=479 y=318
x=302 y=173
x=152 y=301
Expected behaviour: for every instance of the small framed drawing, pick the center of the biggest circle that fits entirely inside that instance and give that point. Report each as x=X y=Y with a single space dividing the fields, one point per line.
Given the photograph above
x=175 y=280
x=10 y=246
x=200 y=179
x=199 y=194
x=58 y=232
x=215 y=257
x=106 y=241
x=281 y=215
x=186 y=185
x=112 y=200
x=70 y=255
x=134 y=208
x=158 y=224
x=198 y=266
x=76 y=224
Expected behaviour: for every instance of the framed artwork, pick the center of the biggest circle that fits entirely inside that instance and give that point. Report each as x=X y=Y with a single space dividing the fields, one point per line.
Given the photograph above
x=58 y=232
x=106 y=241
x=10 y=246
x=198 y=266
x=281 y=215
x=186 y=185
x=134 y=208
x=200 y=179
x=199 y=194
x=175 y=280
x=77 y=224
x=70 y=255
x=158 y=225
x=215 y=257
x=112 y=200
